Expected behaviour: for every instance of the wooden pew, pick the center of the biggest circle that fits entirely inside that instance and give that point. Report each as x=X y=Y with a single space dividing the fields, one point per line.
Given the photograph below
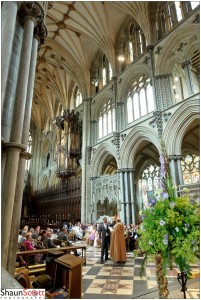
x=66 y=249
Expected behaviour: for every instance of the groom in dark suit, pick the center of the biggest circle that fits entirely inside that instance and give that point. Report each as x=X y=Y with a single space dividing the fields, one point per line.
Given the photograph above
x=104 y=234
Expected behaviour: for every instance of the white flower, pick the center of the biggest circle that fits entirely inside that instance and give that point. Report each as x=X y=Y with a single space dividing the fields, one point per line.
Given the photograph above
x=176 y=229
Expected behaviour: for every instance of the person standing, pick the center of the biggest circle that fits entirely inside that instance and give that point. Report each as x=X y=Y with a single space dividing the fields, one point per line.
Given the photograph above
x=104 y=235
x=118 y=245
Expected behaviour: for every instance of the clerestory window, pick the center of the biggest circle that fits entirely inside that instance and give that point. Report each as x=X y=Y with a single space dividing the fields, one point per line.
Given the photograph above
x=106 y=120
x=29 y=149
x=78 y=99
x=140 y=100
x=106 y=71
x=172 y=12
x=137 y=42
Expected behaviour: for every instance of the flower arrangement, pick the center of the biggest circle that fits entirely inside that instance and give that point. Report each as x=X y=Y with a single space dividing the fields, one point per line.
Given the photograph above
x=170 y=229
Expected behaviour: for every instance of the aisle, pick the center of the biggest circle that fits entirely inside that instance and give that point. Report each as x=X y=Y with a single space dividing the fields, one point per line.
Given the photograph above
x=116 y=281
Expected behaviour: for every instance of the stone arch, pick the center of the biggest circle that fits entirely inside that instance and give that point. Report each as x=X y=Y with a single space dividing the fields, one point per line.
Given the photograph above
x=136 y=139
x=170 y=55
x=100 y=158
x=178 y=125
x=130 y=77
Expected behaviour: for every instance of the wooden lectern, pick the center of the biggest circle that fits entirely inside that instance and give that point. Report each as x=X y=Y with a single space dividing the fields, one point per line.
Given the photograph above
x=68 y=275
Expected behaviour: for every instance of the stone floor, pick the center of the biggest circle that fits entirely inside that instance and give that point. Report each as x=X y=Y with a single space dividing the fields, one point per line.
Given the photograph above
x=123 y=281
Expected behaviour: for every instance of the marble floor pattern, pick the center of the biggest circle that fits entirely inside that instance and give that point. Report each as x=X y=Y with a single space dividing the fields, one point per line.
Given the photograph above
x=123 y=281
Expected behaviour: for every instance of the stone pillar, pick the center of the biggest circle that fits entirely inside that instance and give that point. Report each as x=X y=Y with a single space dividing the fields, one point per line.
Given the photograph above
x=173 y=169
x=92 y=198
x=189 y=80
x=122 y=199
x=15 y=146
x=8 y=20
x=133 y=208
x=85 y=144
x=7 y=110
x=180 y=173
x=93 y=132
x=21 y=169
x=127 y=198
x=176 y=171
x=150 y=49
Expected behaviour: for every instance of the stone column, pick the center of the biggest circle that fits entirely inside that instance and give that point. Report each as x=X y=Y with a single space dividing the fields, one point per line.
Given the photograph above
x=173 y=169
x=21 y=169
x=189 y=80
x=85 y=143
x=7 y=110
x=132 y=196
x=180 y=173
x=176 y=171
x=127 y=198
x=8 y=20
x=150 y=49
x=27 y=10
x=92 y=198
x=122 y=199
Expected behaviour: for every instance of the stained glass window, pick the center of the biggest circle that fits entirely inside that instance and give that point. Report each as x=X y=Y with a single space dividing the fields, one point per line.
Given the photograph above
x=149 y=183
x=190 y=167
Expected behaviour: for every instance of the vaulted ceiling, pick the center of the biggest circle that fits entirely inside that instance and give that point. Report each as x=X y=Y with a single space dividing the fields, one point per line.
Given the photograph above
x=77 y=30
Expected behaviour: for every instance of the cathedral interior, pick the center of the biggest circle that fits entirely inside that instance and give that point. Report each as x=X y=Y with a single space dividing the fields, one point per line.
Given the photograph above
x=93 y=93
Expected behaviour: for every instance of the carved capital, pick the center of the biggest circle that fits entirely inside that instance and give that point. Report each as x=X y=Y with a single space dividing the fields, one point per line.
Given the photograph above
x=13 y=145
x=35 y=11
x=174 y=157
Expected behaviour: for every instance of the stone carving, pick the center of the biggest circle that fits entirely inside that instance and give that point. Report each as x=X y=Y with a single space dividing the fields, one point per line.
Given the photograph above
x=159 y=122
x=105 y=187
x=167 y=116
x=116 y=140
x=34 y=10
x=123 y=136
x=89 y=151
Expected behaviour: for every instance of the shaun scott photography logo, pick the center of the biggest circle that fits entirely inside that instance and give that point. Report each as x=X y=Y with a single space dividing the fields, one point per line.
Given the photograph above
x=22 y=294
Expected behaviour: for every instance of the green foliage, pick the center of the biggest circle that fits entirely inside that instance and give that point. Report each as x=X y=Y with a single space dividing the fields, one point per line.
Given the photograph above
x=171 y=227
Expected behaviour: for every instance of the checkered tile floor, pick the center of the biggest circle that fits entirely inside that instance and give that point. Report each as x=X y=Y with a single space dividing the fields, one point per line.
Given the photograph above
x=123 y=281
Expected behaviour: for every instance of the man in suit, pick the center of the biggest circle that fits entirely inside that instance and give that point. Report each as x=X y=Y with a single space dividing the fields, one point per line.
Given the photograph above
x=104 y=235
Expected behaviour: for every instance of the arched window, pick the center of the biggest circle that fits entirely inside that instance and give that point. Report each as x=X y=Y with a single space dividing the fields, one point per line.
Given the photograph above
x=137 y=42
x=130 y=46
x=106 y=120
x=140 y=100
x=190 y=167
x=106 y=71
x=172 y=12
x=149 y=182
x=78 y=99
x=48 y=160
x=29 y=149
x=104 y=76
